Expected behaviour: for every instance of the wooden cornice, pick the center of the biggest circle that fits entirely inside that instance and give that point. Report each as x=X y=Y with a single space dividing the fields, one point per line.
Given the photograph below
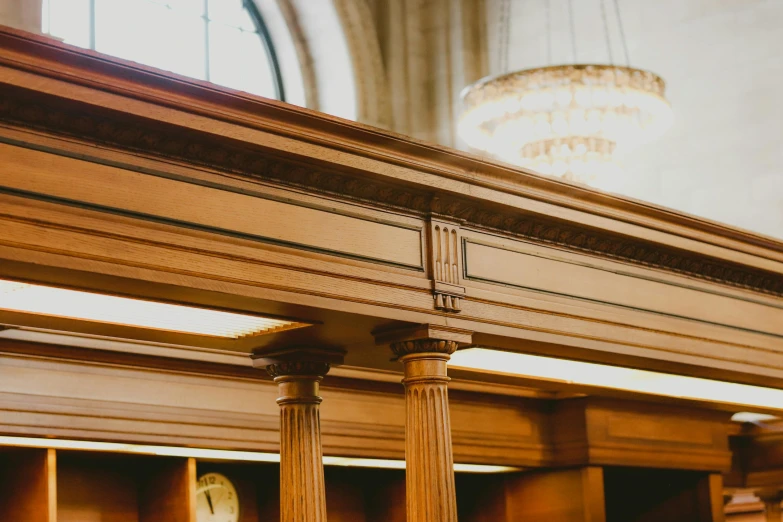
x=155 y=136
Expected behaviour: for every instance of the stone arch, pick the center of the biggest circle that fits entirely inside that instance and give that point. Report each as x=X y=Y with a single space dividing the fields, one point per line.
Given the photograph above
x=334 y=44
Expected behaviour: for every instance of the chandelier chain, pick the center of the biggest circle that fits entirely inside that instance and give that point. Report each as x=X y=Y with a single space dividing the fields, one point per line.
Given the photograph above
x=504 y=40
x=573 y=29
x=622 y=33
x=606 y=32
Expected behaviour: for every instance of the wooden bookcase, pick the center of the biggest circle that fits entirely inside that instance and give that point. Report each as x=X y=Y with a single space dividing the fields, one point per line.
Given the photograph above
x=123 y=488
x=352 y=494
x=44 y=485
x=591 y=494
x=28 y=488
x=650 y=495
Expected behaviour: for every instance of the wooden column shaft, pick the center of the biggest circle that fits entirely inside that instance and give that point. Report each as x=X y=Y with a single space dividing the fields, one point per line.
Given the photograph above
x=298 y=374
x=302 y=494
x=430 y=490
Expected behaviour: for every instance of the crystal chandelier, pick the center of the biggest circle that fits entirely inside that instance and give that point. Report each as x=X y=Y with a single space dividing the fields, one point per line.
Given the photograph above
x=569 y=121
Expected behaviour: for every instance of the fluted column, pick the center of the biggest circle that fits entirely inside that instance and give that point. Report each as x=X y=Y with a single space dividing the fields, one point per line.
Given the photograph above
x=771 y=500
x=298 y=373
x=424 y=352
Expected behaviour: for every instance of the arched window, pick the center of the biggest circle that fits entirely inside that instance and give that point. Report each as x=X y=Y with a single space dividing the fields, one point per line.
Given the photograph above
x=221 y=41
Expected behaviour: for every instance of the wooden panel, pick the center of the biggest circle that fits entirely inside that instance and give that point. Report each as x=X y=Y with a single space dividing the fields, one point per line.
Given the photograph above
x=643 y=495
x=385 y=496
x=170 y=493
x=629 y=426
x=345 y=494
x=517 y=268
x=574 y=495
x=481 y=498
x=28 y=488
x=482 y=428
x=96 y=488
x=268 y=493
x=171 y=258
x=598 y=431
x=208 y=407
x=214 y=115
x=650 y=435
x=46 y=397
x=190 y=204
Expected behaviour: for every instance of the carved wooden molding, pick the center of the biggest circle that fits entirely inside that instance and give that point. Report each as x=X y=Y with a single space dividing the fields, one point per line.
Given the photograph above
x=403 y=348
x=157 y=138
x=445 y=263
x=426 y=334
x=301 y=361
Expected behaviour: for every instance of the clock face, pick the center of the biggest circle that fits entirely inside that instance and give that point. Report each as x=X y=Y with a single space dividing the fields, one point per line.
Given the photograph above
x=216 y=499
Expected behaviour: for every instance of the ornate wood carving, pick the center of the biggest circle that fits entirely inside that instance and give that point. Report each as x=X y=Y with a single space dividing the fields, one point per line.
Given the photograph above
x=107 y=127
x=430 y=495
x=298 y=373
x=445 y=258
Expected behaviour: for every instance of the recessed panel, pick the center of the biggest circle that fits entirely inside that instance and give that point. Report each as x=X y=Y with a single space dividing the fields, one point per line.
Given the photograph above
x=158 y=198
x=519 y=269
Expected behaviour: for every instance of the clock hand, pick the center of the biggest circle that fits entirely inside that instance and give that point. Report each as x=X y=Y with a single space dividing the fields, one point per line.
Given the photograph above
x=209 y=501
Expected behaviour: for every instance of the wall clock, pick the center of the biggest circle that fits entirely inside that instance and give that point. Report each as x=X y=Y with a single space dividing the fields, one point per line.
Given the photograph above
x=216 y=499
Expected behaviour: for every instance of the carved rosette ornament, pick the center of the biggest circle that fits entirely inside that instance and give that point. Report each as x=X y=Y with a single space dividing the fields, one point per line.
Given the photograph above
x=424 y=352
x=298 y=373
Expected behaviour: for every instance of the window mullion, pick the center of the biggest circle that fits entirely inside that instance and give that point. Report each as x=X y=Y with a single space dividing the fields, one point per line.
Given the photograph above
x=206 y=40
x=92 y=24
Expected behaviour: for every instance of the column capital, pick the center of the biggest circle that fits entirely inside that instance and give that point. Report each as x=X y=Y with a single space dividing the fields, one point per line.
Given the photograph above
x=297 y=360
x=424 y=350
x=298 y=372
x=432 y=346
x=422 y=338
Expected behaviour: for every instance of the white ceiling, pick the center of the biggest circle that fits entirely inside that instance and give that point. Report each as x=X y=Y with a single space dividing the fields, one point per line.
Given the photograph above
x=723 y=64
